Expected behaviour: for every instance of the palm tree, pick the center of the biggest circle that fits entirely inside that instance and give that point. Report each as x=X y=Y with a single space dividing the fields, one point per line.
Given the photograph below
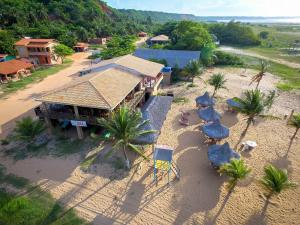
x=192 y=70
x=262 y=72
x=218 y=82
x=27 y=129
x=125 y=126
x=236 y=170
x=253 y=104
x=275 y=180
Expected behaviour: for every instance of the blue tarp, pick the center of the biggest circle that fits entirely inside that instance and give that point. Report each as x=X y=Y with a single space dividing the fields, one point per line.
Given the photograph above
x=209 y=114
x=221 y=154
x=215 y=130
x=232 y=103
x=205 y=100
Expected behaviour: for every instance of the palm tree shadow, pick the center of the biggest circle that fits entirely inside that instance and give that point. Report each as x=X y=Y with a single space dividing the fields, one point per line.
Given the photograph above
x=259 y=218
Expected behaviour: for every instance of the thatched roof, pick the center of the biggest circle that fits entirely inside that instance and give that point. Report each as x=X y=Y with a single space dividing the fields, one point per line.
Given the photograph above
x=103 y=90
x=155 y=110
x=221 y=154
x=209 y=114
x=215 y=130
x=205 y=100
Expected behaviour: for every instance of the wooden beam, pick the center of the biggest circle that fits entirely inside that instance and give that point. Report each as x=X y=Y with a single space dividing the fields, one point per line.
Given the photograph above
x=79 y=129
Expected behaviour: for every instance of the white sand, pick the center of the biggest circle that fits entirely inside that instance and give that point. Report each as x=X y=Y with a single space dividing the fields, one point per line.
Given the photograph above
x=200 y=197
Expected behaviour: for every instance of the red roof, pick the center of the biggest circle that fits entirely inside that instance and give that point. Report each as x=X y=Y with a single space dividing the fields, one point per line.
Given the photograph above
x=26 y=41
x=81 y=45
x=13 y=66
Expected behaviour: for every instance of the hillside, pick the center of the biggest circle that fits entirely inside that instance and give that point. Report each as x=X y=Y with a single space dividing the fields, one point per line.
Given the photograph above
x=66 y=20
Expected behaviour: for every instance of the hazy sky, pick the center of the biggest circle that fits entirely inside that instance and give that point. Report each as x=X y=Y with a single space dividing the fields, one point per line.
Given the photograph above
x=215 y=7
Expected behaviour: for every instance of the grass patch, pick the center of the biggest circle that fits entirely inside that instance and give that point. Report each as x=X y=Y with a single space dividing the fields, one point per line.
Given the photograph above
x=291 y=76
x=37 y=76
x=180 y=100
x=87 y=162
x=191 y=85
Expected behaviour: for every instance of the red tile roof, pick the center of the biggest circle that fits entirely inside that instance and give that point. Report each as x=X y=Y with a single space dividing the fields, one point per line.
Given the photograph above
x=26 y=41
x=13 y=66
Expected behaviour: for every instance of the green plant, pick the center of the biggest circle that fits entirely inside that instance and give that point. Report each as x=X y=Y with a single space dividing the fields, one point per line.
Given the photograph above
x=254 y=103
x=226 y=59
x=236 y=170
x=262 y=72
x=295 y=122
x=4 y=142
x=27 y=129
x=192 y=70
x=125 y=126
x=275 y=180
x=180 y=100
x=62 y=51
x=218 y=82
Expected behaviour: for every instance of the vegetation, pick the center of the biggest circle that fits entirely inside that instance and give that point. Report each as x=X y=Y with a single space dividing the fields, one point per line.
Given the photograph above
x=180 y=100
x=7 y=43
x=253 y=104
x=38 y=75
x=295 y=122
x=192 y=70
x=275 y=180
x=264 y=34
x=226 y=59
x=236 y=170
x=119 y=46
x=218 y=82
x=161 y=61
x=28 y=129
x=125 y=126
x=234 y=33
x=207 y=55
x=62 y=51
x=262 y=72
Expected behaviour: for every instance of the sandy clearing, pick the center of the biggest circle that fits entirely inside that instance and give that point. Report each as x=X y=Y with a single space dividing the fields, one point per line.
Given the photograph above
x=22 y=103
x=200 y=197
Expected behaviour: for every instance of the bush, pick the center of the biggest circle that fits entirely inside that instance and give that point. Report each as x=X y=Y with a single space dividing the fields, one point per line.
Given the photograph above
x=226 y=59
x=161 y=61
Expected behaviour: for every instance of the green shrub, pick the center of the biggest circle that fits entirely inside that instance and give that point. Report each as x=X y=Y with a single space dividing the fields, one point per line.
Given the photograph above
x=161 y=61
x=4 y=142
x=224 y=59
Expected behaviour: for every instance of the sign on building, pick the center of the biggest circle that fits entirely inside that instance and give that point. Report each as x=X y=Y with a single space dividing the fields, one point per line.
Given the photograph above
x=77 y=123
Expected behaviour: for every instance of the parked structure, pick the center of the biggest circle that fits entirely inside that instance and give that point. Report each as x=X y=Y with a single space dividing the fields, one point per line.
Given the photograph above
x=160 y=39
x=38 y=51
x=127 y=80
x=142 y=34
x=13 y=70
x=173 y=57
x=98 y=41
x=81 y=47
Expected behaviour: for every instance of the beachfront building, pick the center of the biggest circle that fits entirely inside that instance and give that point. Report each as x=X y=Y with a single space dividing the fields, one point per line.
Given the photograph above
x=37 y=51
x=160 y=39
x=98 y=41
x=126 y=80
x=81 y=47
x=13 y=70
x=142 y=34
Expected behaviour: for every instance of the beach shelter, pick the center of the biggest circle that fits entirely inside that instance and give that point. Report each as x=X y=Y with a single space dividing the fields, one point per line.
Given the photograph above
x=232 y=103
x=209 y=114
x=205 y=100
x=221 y=154
x=215 y=130
x=162 y=160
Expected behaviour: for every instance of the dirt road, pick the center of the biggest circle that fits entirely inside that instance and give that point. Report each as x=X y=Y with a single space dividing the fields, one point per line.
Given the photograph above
x=22 y=103
x=248 y=53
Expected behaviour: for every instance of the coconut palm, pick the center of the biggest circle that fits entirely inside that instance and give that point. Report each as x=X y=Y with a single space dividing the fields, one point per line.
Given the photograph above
x=254 y=103
x=125 y=126
x=275 y=180
x=262 y=72
x=236 y=170
x=28 y=129
x=192 y=70
x=218 y=82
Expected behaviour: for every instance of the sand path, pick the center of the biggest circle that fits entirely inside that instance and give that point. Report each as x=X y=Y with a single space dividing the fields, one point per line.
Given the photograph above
x=248 y=53
x=22 y=103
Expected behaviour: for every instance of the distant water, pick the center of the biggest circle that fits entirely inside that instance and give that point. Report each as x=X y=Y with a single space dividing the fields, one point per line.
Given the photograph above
x=290 y=20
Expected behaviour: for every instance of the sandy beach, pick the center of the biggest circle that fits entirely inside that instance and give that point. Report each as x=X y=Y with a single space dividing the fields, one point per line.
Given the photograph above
x=105 y=196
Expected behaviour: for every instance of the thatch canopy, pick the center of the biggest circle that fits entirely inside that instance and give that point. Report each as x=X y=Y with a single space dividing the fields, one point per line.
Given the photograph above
x=209 y=114
x=221 y=154
x=215 y=130
x=205 y=100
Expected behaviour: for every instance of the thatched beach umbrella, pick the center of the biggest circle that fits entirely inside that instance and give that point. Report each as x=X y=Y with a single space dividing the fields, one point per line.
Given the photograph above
x=205 y=100
x=215 y=130
x=209 y=114
x=221 y=154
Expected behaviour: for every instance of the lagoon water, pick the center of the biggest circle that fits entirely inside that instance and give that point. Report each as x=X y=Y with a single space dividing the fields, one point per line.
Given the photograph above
x=290 y=20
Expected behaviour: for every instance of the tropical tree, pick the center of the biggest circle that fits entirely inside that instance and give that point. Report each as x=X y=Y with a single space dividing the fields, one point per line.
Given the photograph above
x=125 y=126
x=275 y=180
x=217 y=81
x=254 y=103
x=236 y=170
x=28 y=129
x=192 y=70
x=62 y=51
x=295 y=122
x=262 y=72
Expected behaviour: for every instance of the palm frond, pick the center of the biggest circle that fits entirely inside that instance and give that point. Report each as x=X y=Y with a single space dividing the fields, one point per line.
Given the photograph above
x=137 y=150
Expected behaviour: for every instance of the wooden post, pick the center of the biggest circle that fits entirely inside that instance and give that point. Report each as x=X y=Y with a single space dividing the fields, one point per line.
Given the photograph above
x=47 y=119
x=79 y=129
